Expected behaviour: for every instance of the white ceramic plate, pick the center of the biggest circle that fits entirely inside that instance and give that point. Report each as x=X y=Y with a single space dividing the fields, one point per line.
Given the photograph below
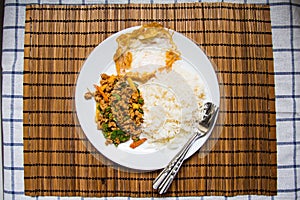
x=101 y=61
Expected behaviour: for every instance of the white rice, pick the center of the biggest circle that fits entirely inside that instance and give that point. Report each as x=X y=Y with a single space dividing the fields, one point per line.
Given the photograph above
x=170 y=108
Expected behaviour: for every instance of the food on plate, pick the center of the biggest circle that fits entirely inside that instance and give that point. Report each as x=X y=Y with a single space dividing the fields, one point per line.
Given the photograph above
x=137 y=143
x=127 y=106
x=162 y=116
x=151 y=44
x=151 y=97
x=119 y=108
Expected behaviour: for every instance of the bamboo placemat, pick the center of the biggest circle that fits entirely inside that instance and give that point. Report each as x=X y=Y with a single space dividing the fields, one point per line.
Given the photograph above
x=238 y=39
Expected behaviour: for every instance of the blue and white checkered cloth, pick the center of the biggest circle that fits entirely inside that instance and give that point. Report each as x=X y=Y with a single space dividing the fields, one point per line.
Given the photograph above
x=285 y=19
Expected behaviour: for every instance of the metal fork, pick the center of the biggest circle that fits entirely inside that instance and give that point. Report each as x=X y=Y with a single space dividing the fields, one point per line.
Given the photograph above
x=165 y=178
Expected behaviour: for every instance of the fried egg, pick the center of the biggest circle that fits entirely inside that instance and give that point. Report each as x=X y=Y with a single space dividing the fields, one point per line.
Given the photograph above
x=150 y=44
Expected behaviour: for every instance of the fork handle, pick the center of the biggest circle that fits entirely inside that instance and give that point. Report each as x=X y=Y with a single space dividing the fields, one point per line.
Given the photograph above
x=165 y=178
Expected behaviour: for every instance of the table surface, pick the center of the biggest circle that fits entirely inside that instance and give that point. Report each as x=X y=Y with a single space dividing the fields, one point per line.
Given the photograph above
x=285 y=20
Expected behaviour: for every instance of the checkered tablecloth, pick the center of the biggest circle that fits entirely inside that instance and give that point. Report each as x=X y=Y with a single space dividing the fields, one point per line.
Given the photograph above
x=285 y=19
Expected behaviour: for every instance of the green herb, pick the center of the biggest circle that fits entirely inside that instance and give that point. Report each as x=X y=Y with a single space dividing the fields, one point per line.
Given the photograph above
x=123 y=137
x=105 y=127
x=126 y=117
x=141 y=111
x=114 y=108
x=107 y=109
x=114 y=134
x=106 y=135
x=118 y=97
x=141 y=101
x=123 y=84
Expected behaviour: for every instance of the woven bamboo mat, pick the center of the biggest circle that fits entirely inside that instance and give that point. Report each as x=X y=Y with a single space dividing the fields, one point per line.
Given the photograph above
x=237 y=38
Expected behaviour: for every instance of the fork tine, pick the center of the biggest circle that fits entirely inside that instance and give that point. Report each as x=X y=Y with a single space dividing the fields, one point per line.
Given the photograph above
x=208 y=117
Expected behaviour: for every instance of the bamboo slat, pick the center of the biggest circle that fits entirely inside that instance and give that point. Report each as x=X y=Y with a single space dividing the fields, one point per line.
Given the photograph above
x=237 y=38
